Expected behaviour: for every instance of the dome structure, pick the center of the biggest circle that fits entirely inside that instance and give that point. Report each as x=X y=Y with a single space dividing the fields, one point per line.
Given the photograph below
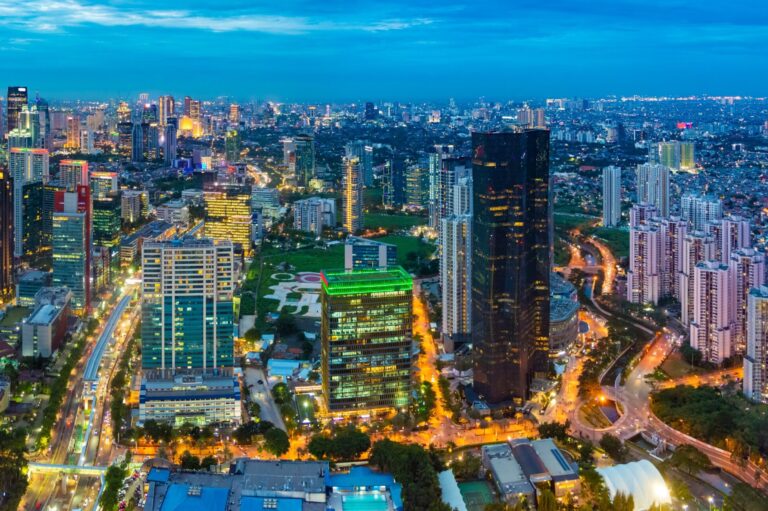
x=640 y=479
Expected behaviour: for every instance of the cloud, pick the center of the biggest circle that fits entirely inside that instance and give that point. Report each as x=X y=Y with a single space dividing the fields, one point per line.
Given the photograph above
x=47 y=16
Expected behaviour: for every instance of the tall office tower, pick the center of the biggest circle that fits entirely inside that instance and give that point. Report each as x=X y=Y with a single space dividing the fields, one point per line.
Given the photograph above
x=187 y=313
x=510 y=262
x=417 y=186
x=228 y=216
x=644 y=275
x=370 y=113
x=26 y=166
x=17 y=97
x=73 y=173
x=137 y=143
x=367 y=340
x=699 y=210
x=165 y=109
x=363 y=151
x=194 y=109
x=611 y=196
x=44 y=118
x=712 y=322
x=314 y=214
x=73 y=133
x=123 y=113
x=747 y=272
x=234 y=113
x=756 y=356
x=48 y=207
x=366 y=254
x=697 y=247
x=736 y=234
x=106 y=220
x=641 y=214
x=653 y=186
x=232 y=146
x=152 y=141
x=187 y=106
x=29 y=121
x=72 y=245
x=393 y=185
x=672 y=231
x=267 y=200
x=7 y=288
x=304 y=147
x=21 y=138
x=102 y=183
x=125 y=140
x=170 y=141
x=352 y=196
x=149 y=114
x=86 y=142
x=438 y=182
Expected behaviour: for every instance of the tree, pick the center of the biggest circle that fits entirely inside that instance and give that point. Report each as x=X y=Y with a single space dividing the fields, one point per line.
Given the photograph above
x=208 y=461
x=113 y=481
x=346 y=444
x=254 y=409
x=466 y=467
x=586 y=453
x=286 y=324
x=246 y=431
x=623 y=502
x=689 y=459
x=614 y=447
x=691 y=354
x=252 y=335
x=281 y=393
x=276 y=442
x=189 y=461
x=554 y=430
x=547 y=501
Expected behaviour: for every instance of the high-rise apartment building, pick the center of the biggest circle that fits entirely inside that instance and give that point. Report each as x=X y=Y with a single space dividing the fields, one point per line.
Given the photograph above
x=314 y=214
x=510 y=262
x=672 y=232
x=653 y=186
x=736 y=233
x=352 y=196
x=367 y=340
x=26 y=166
x=73 y=173
x=363 y=151
x=611 y=196
x=228 y=216
x=697 y=247
x=756 y=357
x=134 y=205
x=747 y=271
x=72 y=245
x=676 y=155
x=234 y=113
x=644 y=275
x=417 y=186
x=16 y=98
x=439 y=183
x=699 y=210
x=712 y=321
x=7 y=273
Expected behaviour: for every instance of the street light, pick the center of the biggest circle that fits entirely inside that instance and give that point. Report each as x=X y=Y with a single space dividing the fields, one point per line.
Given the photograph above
x=710 y=500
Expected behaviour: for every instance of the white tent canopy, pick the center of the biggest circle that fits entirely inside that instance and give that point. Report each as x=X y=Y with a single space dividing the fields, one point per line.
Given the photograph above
x=641 y=480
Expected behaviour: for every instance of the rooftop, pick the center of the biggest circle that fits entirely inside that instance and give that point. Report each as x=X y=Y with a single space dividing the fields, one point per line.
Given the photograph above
x=43 y=315
x=346 y=282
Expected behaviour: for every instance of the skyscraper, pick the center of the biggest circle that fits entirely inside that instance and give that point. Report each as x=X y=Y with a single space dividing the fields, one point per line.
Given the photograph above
x=102 y=183
x=367 y=341
x=228 y=216
x=26 y=166
x=6 y=239
x=73 y=173
x=747 y=271
x=672 y=232
x=417 y=186
x=234 y=113
x=366 y=254
x=699 y=210
x=712 y=321
x=756 y=356
x=676 y=155
x=736 y=234
x=653 y=186
x=611 y=196
x=232 y=146
x=644 y=276
x=363 y=151
x=510 y=262
x=125 y=139
x=439 y=183
x=314 y=214
x=106 y=220
x=73 y=133
x=304 y=147
x=137 y=143
x=352 y=196
x=170 y=141
x=72 y=245
x=186 y=307
x=17 y=97
x=697 y=247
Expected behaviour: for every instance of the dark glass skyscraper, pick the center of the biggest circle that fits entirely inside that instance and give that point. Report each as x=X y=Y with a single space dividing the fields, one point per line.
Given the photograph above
x=17 y=96
x=510 y=262
x=6 y=238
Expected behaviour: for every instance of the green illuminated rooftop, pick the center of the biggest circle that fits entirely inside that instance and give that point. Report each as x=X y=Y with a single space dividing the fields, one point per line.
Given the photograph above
x=352 y=282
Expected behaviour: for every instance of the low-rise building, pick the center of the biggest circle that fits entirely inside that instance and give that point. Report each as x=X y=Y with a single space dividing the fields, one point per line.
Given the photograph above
x=43 y=332
x=363 y=253
x=174 y=212
x=28 y=284
x=195 y=399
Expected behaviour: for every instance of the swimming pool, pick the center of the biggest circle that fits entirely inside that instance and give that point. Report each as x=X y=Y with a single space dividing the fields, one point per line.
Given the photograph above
x=365 y=502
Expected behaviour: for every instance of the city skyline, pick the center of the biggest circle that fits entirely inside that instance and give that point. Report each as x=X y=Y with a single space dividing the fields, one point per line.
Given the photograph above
x=300 y=51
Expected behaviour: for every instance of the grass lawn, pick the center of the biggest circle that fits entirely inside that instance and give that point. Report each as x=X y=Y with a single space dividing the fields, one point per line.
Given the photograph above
x=14 y=314
x=616 y=239
x=562 y=252
x=676 y=367
x=567 y=221
x=591 y=414
x=399 y=221
x=407 y=244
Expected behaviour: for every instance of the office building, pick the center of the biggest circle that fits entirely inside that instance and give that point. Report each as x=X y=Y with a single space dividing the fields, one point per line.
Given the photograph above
x=653 y=187
x=363 y=151
x=441 y=179
x=712 y=320
x=103 y=183
x=123 y=112
x=267 y=200
x=756 y=356
x=44 y=331
x=17 y=97
x=747 y=271
x=672 y=232
x=134 y=205
x=352 y=196
x=137 y=142
x=26 y=167
x=106 y=220
x=7 y=266
x=393 y=183
x=72 y=246
x=314 y=214
x=28 y=284
x=234 y=113
x=125 y=139
x=29 y=122
x=165 y=109
x=417 y=188
x=611 y=196
x=304 y=159
x=131 y=245
x=699 y=210
x=697 y=247
x=73 y=133
x=510 y=262
x=563 y=316
x=232 y=146
x=644 y=275
x=186 y=308
x=73 y=173
x=367 y=343
x=175 y=212
x=190 y=399
x=170 y=142
x=228 y=216
x=364 y=253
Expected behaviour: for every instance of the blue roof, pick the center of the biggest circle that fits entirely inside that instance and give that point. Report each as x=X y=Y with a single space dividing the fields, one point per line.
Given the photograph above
x=158 y=475
x=178 y=498
x=282 y=504
x=364 y=477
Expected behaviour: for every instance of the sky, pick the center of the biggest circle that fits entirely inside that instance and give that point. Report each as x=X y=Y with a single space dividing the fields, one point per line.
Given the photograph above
x=407 y=50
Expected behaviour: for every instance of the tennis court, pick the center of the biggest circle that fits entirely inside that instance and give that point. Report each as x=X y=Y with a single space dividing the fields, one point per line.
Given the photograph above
x=476 y=494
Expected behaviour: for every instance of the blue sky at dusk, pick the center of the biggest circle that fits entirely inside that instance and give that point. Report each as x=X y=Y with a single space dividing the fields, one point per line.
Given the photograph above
x=329 y=50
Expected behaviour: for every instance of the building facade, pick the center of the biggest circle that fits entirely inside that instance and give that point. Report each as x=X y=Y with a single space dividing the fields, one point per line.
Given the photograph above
x=611 y=196
x=352 y=197
x=756 y=355
x=711 y=328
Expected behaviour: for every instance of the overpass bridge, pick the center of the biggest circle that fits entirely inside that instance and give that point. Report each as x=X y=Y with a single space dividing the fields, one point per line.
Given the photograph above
x=48 y=468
